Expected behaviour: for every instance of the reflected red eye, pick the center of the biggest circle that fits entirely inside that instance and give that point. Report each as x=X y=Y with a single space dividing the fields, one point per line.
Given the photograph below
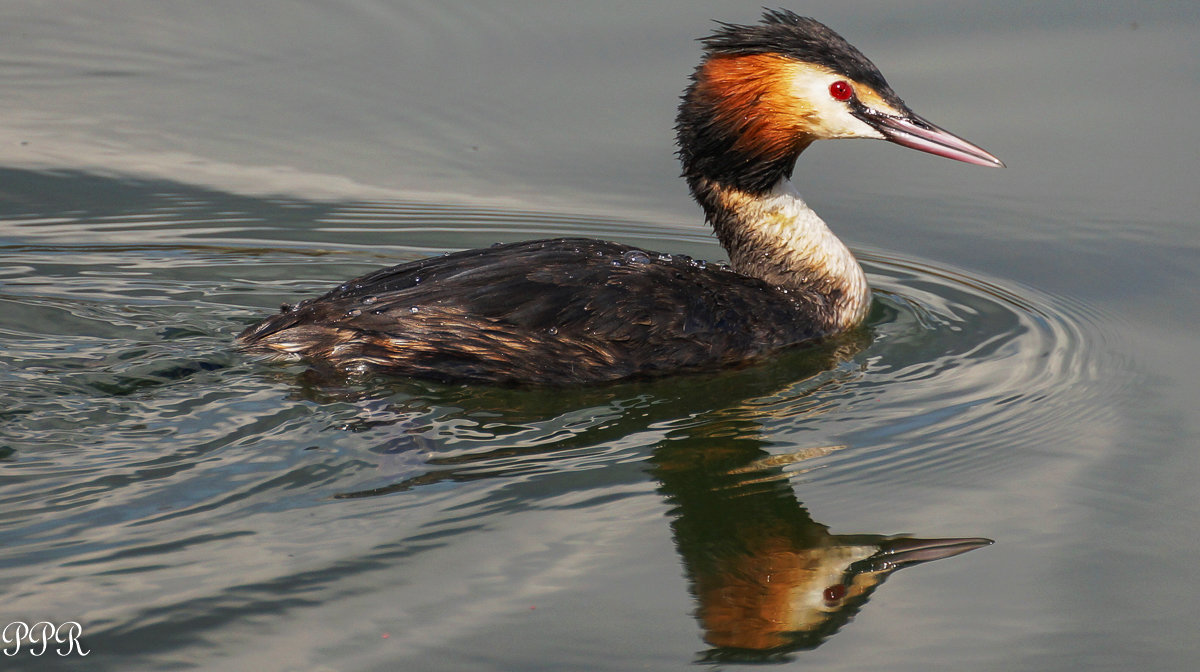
x=835 y=593
x=841 y=90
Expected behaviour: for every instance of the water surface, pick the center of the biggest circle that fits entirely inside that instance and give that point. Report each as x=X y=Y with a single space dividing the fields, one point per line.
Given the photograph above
x=1026 y=375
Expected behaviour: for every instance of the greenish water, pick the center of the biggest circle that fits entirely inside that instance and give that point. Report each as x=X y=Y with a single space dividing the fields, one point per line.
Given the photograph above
x=1027 y=374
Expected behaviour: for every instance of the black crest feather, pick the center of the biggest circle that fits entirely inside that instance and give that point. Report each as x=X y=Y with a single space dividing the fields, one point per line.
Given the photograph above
x=800 y=37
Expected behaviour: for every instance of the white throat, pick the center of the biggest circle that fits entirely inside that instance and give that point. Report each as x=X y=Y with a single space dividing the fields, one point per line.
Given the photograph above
x=784 y=242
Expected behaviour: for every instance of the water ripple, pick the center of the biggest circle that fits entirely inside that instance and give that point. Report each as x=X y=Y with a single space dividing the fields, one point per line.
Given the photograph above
x=131 y=420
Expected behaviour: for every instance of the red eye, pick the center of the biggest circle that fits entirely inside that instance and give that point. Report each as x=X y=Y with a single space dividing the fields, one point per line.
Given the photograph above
x=841 y=90
x=835 y=593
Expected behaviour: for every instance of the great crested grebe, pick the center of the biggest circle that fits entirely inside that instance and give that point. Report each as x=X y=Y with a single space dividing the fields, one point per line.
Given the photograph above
x=575 y=310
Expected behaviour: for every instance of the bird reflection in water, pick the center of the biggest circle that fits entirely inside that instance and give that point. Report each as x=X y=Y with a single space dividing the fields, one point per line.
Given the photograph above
x=767 y=578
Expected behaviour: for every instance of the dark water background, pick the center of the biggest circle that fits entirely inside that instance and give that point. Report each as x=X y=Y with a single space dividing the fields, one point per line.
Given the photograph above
x=171 y=171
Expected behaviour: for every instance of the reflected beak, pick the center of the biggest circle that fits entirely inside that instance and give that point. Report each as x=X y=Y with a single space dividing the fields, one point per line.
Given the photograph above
x=904 y=551
x=913 y=131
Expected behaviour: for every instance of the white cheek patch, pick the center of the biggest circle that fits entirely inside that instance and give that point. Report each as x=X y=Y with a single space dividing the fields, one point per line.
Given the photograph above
x=833 y=117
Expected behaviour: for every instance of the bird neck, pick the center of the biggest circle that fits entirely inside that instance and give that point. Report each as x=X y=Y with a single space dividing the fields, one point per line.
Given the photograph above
x=776 y=237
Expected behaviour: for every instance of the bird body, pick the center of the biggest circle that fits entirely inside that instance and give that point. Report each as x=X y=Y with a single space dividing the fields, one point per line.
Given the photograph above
x=570 y=311
x=580 y=309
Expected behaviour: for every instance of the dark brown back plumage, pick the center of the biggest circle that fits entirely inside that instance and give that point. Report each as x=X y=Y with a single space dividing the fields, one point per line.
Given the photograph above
x=553 y=312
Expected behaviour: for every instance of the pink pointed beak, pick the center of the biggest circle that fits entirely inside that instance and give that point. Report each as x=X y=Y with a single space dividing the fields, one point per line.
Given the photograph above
x=913 y=131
